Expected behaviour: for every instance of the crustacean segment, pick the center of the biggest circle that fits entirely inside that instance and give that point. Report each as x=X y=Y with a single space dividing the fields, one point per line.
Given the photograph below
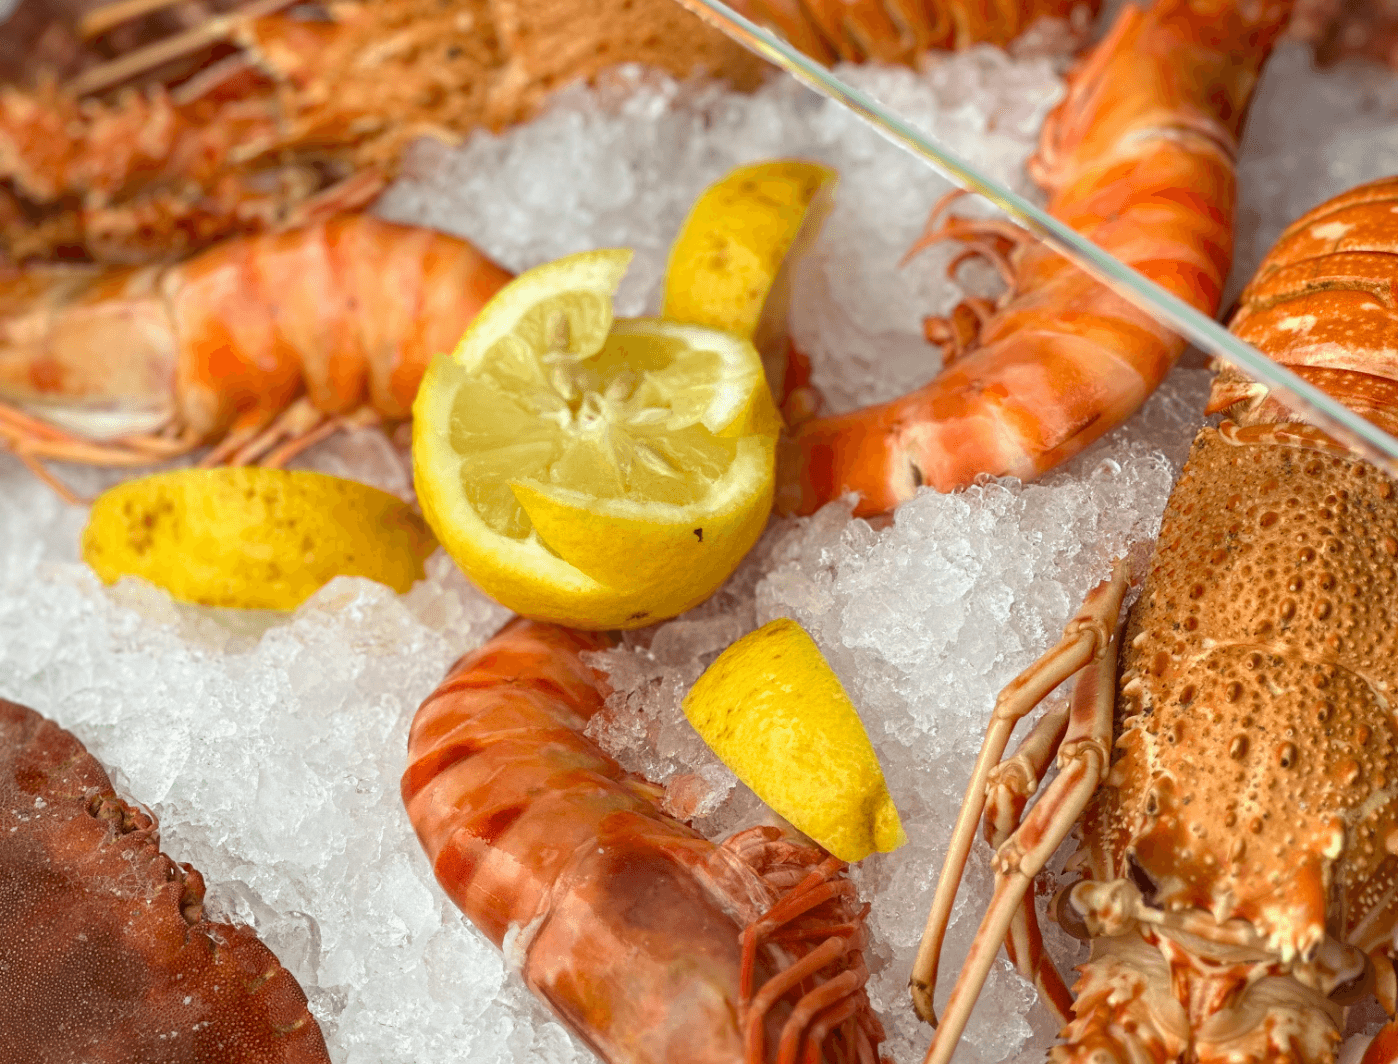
x=1239 y=854
x=108 y=955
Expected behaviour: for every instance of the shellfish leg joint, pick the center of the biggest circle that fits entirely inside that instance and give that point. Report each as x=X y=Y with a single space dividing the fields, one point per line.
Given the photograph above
x=107 y=952
x=1239 y=857
x=650 y=942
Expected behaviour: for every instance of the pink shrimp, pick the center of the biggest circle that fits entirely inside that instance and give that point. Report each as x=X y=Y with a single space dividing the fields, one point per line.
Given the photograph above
x=650 y=942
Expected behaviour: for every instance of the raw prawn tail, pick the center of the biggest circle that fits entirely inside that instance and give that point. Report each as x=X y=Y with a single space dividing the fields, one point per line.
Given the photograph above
x=650 y=942
x=262 y=344
x=899 y=31
x=1324 y=304
x=1139 y=158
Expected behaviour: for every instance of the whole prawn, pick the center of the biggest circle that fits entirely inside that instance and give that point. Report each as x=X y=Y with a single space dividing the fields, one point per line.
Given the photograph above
x=1139 y=158
x=650 y=942
x=264 y=343
x=1233 y=779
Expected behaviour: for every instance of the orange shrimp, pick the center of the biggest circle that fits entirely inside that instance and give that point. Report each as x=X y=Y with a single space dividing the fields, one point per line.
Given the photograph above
x=1140 y=159
x=650 y=942
x=133 y=365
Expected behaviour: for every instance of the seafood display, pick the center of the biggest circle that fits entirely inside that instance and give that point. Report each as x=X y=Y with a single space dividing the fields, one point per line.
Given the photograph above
x=221 y=347
x=650 y=942
x=1141 y=161
x=108 y=953
x=274 y=744
x=1231 y=782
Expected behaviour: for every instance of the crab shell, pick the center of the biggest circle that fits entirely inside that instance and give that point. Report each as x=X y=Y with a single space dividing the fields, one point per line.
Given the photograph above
x=105 y=950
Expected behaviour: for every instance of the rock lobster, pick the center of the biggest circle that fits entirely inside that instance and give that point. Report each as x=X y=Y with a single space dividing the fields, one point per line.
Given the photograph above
x=107 y=952
x=654 y=945
x=220 y=346
x=1234 y=777
x=1139 y=157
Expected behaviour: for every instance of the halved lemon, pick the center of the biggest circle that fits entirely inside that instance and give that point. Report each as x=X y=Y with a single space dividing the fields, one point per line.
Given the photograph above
x=731 y=265
x=595 y=473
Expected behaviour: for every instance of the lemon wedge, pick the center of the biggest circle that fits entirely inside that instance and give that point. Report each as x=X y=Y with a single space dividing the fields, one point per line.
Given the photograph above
x=732 y=263
x=775 y=713
x=596 y=473
x=253 y=538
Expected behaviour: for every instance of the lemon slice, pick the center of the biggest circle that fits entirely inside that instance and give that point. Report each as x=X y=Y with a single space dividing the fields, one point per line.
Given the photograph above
x=253 y=538
x=774 y=712
x=731 y=265
x=595 y=473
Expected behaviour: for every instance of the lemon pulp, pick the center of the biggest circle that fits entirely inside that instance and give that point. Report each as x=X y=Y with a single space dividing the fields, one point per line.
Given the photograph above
x=593 y=472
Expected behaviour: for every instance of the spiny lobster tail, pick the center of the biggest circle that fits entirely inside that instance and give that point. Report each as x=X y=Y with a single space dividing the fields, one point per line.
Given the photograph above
x=1325 y=305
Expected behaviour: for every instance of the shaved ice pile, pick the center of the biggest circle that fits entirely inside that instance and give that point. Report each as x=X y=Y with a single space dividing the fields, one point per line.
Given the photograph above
x=271 y=746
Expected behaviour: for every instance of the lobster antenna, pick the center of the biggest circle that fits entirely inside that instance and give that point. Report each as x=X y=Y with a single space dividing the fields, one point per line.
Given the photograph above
x=123 y=68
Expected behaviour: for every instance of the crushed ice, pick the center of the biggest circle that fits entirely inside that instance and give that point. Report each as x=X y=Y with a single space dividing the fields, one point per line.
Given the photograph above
x=271 y=746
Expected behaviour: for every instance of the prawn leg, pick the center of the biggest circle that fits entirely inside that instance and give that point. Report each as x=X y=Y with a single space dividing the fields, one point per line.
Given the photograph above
x=823 y=1007
x=1083 y=759
x=298 y=427
x=1087 y=640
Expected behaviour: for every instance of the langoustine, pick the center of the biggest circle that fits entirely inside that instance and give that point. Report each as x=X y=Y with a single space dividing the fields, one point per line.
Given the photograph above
x=108 y=954
x=130 y=366
x=1139 y=158
x=305 y=110
x=1233 y=778
x=650 y=942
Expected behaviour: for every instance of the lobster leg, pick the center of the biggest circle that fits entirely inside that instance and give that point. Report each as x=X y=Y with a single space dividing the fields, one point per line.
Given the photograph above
x=1083 y=759
x=1012 y=783
x=1086 y=637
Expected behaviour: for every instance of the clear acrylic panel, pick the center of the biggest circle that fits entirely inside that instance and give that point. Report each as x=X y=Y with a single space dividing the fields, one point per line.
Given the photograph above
x=1205 y=333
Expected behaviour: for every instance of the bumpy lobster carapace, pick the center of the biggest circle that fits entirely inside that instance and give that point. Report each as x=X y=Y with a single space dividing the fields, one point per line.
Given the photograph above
x=1139 y=158
x=107 y=953
x=1234 y=780
x=651 y=943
